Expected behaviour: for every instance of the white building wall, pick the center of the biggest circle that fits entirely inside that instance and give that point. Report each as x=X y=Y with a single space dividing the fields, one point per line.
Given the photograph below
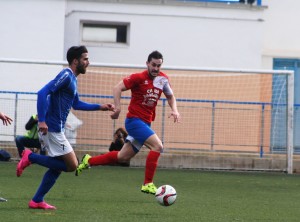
x=281 y=32
x=198 y=36
x=194 y=34
x=30 y=30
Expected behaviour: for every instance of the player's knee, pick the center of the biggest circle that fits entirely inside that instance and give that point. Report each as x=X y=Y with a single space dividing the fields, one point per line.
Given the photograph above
x=158 y=148
x=71 y=167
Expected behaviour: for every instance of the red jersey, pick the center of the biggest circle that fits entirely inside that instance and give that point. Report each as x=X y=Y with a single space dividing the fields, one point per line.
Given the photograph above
x=145 y=93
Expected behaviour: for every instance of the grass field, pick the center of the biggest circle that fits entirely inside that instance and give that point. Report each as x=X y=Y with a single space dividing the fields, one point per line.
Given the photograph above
x=113 y=194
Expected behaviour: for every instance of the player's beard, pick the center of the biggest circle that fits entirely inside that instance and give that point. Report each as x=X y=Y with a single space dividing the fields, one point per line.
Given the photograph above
x=153 y=73
x=81 y=69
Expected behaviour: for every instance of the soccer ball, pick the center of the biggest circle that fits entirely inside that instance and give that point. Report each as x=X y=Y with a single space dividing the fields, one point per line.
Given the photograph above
x=166 y=195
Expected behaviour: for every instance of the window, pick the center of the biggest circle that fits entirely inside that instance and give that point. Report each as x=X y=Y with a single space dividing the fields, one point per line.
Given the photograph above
x=104 y=33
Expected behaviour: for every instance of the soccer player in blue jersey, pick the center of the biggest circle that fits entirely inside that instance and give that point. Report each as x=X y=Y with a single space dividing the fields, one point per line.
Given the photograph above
x=54 y=102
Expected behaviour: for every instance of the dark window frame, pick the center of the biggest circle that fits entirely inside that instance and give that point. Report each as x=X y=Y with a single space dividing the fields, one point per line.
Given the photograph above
x=122 y=32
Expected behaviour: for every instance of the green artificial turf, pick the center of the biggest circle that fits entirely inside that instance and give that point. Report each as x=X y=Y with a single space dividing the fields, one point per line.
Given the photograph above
x=112 y=193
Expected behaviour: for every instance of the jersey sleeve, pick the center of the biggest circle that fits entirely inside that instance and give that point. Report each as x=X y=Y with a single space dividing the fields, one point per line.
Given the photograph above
x=167 y=89
x=80 y=105
x=61 y=80
x=42 y=102
x=131 y=81
x=31 y=122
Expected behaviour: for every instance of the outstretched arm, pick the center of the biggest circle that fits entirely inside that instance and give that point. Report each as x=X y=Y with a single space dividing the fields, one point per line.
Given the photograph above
x=172 y=103
x=80 y=105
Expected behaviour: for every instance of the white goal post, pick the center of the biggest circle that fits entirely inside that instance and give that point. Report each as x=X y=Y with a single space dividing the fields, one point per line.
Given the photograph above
x=225 y=113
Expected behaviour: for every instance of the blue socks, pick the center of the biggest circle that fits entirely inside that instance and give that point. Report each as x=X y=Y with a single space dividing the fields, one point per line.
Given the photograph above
x=55 y=167
x=47 y=183
x=47 y=161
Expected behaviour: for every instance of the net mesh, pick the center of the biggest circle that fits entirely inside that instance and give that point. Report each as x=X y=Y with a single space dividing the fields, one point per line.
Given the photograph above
x=221 y=111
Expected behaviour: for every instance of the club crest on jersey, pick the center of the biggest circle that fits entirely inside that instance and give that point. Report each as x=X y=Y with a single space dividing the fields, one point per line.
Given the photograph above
x=146 y=82
x=159 y=82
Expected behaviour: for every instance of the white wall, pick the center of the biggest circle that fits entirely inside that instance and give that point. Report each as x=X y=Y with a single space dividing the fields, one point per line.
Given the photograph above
x=199 y=36
x=30 y=30
x=281 y=32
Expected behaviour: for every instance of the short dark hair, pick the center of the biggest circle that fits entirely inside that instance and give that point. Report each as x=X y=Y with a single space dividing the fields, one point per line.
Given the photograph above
x=155 y=55
x=75 y=52
x=121 y=131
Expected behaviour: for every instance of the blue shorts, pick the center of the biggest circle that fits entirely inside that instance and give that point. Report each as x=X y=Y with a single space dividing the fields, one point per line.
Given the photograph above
x=138 y=132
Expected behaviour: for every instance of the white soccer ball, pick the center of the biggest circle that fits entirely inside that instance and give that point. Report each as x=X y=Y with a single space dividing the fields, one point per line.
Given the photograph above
x=166 y=195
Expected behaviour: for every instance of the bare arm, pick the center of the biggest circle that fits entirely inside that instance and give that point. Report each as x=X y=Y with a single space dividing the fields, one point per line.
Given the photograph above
x=5 y=119
x=117 y=91
x=173 y=104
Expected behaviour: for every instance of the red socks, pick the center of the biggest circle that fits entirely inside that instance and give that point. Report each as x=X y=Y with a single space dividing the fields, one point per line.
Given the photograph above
x=104 y=159
x=112 y=158
x=151 y=164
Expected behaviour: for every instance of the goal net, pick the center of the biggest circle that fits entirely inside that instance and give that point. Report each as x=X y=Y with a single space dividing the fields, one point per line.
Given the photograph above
x=223 y=112
x=231 y=119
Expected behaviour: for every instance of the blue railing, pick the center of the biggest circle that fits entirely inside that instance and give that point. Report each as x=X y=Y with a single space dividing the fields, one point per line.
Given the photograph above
x=213 y=105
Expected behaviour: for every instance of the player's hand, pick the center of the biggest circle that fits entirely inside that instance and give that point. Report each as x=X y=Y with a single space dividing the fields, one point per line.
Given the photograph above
x=43 y=128
x=176 y=116
x=115 y=114
x=5 y=119
x=107 y=107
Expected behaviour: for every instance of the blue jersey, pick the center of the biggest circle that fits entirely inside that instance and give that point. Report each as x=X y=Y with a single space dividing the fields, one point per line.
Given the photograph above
x=57 y=97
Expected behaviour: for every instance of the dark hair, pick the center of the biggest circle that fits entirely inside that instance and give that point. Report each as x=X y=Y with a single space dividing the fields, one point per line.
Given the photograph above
x=75 y=52
x=155 y=55
x=121 y=132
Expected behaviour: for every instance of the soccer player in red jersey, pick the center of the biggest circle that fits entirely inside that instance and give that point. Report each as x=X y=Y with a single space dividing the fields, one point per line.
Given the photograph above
x=146 y=89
